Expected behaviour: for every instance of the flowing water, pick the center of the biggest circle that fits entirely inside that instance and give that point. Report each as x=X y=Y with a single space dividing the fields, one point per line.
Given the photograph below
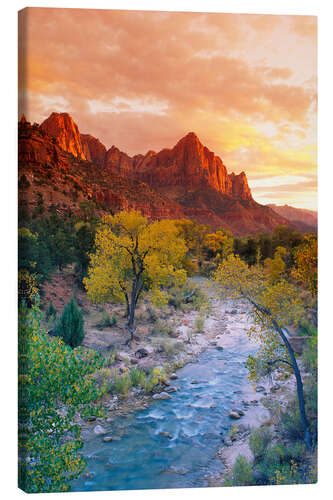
x=195 y=419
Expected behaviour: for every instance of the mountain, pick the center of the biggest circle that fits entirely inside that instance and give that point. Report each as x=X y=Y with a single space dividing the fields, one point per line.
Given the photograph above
x=65 y=167
x=297 y=215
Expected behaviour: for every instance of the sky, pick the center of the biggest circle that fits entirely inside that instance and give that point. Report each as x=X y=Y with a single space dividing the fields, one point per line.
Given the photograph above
x=245 y=84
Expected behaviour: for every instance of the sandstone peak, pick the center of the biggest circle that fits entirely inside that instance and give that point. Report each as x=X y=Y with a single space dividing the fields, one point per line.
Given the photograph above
x=62 y=127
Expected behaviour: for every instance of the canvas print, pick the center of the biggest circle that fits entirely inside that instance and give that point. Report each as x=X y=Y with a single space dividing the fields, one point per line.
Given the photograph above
x=167 y=236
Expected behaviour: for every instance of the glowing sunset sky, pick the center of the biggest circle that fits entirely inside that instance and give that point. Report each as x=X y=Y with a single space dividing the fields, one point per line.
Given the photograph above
x=245 y=84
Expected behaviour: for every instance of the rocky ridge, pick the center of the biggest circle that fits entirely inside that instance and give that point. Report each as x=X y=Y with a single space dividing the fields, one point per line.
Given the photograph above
x=67 y=167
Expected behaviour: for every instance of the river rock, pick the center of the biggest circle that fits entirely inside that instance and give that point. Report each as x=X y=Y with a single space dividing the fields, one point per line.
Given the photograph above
x=107 y=439
x=260 y=388
x=165 y=434
x=275 y=387
x=179 y=470
x=239 y=411
x=99 y=430
x=234 y=414
x=162 y=395
x=172 y=388
x=173 y=376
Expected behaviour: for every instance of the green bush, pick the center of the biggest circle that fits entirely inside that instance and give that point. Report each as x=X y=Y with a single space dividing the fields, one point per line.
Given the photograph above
x=70 y=326
x=242 y=473
x=259 y=441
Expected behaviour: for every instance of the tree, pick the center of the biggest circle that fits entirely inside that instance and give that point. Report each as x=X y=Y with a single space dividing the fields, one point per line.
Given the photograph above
x=133 y=257
x=276 y=267
x=194 y=235
x=55 y=386
x=275 y=306
x=305 y=270
x=219 y=244
x=70 y=325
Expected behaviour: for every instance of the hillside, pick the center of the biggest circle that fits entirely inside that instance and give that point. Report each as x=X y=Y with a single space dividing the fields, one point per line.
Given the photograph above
x=309 y=218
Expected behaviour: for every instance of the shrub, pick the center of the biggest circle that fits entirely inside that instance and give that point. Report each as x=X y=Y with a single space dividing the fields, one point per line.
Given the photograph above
x=199 y=324
x=168 y=346
x=242 y=473
x=51 y=311
x=106 y=321
x=291 y=424
x=137 y=377
x=122 y=384
x=161 y=328
x=70 y=325
x=259 y=441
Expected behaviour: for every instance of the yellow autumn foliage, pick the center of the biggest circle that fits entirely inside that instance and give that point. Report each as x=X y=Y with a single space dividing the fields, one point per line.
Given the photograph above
x=132 y=253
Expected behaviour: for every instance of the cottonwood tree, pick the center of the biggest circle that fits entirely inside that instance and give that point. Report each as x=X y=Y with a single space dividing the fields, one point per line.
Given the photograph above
x=275 y=307
x=134 y=257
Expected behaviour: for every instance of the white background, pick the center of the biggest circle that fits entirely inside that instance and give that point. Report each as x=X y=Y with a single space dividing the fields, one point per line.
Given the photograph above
x=8 y=211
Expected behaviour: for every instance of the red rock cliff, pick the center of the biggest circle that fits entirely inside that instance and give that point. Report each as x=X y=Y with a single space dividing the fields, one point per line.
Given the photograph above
x=62 y=127
x=93 y=149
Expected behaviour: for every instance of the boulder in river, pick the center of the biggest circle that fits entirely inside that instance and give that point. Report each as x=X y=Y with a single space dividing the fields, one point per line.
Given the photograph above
x=162 y=395
x=99 y=430
x=173 y=376
x=234 y=415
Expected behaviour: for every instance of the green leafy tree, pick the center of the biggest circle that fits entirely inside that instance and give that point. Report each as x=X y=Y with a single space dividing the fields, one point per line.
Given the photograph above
x=275 y=307
x=55 y=386
x=70 y=326
x=132 y=257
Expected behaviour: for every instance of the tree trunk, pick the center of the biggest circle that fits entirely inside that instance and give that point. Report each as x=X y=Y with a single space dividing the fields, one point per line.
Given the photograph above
x=131 y=311
x=299 y=384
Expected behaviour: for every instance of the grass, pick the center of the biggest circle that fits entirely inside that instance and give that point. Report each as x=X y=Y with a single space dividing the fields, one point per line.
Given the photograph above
x=136 y=377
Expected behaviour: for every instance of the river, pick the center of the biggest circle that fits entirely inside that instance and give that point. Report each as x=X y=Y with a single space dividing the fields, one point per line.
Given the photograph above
x=192 y=424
